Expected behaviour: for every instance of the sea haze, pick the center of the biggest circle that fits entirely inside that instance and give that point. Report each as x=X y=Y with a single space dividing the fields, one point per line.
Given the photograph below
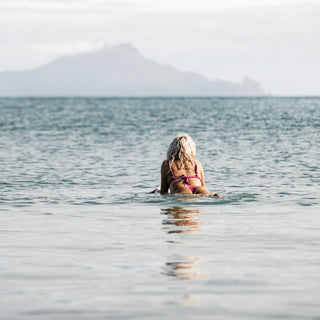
x=82 y=237
x=116 y=71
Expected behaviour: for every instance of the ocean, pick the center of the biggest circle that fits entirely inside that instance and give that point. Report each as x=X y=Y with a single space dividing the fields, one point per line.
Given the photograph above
x=82 y=238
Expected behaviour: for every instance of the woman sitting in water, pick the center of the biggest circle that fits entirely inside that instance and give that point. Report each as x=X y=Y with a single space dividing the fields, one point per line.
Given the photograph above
x=181 y=172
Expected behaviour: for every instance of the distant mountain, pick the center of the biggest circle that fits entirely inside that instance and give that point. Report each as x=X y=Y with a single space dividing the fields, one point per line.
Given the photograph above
x=117 y=71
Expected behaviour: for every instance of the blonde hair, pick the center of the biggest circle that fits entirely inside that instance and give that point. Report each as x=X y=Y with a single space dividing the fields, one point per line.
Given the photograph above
x=183 y=149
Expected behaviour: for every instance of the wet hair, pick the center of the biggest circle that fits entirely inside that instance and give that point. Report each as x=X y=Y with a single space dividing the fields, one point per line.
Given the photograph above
x=183 y=149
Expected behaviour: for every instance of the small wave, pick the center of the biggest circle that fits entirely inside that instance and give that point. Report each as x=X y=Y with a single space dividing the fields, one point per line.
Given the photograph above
x=147 y=198
x=88 y=202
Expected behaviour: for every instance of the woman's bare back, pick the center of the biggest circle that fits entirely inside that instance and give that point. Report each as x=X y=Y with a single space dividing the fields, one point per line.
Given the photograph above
x=182 y=180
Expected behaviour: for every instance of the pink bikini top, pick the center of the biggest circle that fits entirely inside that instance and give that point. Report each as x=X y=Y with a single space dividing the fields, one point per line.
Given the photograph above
x=184 y=177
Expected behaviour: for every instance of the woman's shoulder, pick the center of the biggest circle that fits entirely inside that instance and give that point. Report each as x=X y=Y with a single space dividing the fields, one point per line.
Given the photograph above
x=164 y=165
x=198 y=163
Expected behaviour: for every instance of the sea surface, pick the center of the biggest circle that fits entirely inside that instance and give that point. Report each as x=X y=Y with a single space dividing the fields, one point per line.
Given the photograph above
x=81 y=237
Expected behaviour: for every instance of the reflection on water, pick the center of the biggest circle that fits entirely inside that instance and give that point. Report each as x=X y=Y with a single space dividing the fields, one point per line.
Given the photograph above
x=186 y=267
x=182 y=220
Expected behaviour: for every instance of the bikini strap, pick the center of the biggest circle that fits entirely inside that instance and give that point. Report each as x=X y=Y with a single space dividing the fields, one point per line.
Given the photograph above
x=196 y=168
x=173 y=177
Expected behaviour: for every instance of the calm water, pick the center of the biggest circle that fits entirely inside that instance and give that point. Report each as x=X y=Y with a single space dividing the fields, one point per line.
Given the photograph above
x=81 y=237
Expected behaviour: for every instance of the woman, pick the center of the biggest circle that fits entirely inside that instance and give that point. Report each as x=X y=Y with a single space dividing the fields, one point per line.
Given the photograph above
x=181 y=172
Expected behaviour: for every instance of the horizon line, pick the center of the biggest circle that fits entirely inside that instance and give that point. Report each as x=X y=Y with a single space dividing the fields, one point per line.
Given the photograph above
x=161 y=97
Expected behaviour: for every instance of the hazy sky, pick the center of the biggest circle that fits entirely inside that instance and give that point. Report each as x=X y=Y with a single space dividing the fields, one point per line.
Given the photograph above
x=274 y=42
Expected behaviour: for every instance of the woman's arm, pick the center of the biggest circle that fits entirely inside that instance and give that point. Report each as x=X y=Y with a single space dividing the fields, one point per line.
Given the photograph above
x=164 y=181
x=203 y=183
x=201 y=174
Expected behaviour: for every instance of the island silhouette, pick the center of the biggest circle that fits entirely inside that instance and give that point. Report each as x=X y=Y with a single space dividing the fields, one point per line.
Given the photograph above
x=116 y=71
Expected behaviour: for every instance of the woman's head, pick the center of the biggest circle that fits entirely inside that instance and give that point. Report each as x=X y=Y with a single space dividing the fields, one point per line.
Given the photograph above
x=182 y=148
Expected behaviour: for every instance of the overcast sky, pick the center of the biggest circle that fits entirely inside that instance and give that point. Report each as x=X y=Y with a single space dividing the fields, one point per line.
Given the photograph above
x=274 y=42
